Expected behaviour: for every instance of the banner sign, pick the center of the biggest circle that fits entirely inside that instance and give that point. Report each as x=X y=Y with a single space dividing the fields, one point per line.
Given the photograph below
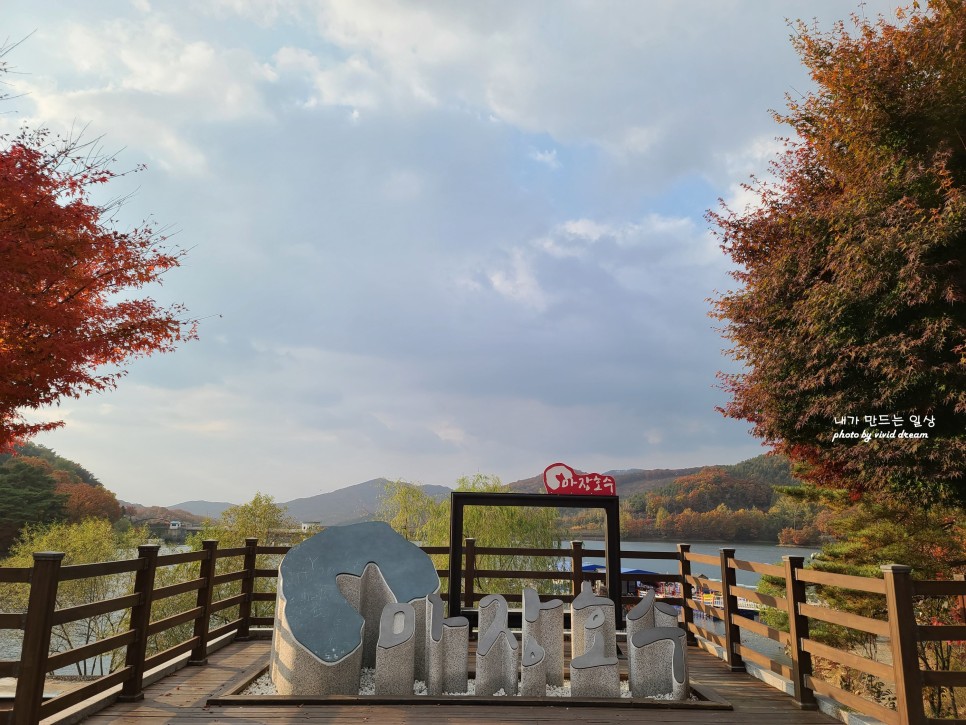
x=562 y=479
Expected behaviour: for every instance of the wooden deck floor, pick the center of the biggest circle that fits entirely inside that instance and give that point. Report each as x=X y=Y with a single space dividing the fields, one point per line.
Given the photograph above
x=182 y=697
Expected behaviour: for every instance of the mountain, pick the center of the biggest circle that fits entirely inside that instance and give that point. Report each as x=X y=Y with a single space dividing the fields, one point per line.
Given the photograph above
x=360 y=502
x=629 y=482
x=346 y=506
x=349 y=505
x=139 y=514
x=204 y=509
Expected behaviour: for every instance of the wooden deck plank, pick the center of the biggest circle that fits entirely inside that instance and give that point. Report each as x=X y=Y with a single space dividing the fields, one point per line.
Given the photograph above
x=181 y=698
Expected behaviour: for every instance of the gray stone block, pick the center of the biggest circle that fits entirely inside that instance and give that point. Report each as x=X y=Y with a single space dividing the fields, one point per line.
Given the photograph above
x=497 y=660
x=447 y=648
x=332 y=589
x=533 y=669
x=594 y=673
x=396 y=650
x=642 y=615
x=595 y=626
x=544 y=622
x=657 y=663
x=580 y=609
x=665 y=615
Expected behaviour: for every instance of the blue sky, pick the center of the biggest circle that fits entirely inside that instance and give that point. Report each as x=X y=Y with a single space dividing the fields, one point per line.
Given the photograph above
x=429 y=239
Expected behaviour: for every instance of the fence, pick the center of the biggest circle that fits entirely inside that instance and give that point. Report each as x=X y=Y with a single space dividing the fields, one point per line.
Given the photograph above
x=229 y=585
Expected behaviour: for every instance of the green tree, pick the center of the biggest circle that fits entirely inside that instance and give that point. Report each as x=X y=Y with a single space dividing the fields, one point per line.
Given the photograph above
x=261 y=518
x=408 y=509
x=90 y=541
x=28 y=495
x=423 y=519
x=852 y=298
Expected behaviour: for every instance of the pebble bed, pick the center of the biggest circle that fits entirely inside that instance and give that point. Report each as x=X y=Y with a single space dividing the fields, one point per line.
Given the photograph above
x=367 y=686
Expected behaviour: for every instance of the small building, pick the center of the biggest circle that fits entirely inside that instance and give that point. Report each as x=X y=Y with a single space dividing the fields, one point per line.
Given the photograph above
x=174 y=525
x=311 y=526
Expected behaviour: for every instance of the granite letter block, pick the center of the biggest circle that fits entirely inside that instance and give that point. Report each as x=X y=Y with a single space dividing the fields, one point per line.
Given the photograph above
x=332 y=589
x=396 y=650
x=595 y=626
x=581 y=608
x=533 y=670
x=497 y=660
x=657 y=663
x=595 y=674
x=665 y=615
x=642 y=615
x=447 y=647
x=544 y=622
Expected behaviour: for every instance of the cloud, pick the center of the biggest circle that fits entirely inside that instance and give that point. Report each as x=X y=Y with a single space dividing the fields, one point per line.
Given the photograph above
x=145 y=85
x=518 y=283
x=547 y=158
x=395 y=283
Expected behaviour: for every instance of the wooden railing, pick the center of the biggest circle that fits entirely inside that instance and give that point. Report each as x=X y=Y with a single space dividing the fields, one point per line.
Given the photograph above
x=223 y=592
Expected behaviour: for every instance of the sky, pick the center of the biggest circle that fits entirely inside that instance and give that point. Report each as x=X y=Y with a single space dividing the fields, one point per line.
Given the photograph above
x=425 y=239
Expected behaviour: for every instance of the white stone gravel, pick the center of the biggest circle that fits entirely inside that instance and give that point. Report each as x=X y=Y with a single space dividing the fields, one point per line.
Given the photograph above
x=367 y=686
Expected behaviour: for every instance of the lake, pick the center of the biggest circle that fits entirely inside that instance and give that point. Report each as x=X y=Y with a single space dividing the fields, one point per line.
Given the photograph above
x=760 y=552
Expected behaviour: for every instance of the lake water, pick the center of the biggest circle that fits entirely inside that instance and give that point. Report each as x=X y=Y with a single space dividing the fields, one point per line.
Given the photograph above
x=760 y=552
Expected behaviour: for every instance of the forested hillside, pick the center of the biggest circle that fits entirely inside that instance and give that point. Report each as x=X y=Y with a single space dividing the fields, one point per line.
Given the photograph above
x=39 y=487
x=728 y=503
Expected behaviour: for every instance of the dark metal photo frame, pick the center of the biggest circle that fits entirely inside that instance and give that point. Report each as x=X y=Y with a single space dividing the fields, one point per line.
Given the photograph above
x=612 y=536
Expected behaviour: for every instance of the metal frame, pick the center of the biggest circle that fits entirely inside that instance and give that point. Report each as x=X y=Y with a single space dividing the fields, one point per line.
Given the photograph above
x=612 y=536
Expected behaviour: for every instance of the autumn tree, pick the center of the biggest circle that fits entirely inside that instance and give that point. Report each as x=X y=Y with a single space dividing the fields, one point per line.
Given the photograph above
x=852 y=298
x=68 y=283
x=85 y=501
x=74 y=470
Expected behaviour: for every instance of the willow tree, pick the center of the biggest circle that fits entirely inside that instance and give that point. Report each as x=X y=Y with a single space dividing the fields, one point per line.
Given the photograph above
x=419 y=517
x=852 y=297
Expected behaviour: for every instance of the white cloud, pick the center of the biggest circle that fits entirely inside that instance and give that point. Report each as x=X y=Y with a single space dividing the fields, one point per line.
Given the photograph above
x=547 y=158
x=753 y=159
x=146 y=86
x=364 y=189
x=517 y=282
x=352 y=83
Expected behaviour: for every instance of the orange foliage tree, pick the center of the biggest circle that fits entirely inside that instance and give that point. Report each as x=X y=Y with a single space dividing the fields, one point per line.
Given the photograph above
x=85 y=501
x=853 y=287
x=66 y=281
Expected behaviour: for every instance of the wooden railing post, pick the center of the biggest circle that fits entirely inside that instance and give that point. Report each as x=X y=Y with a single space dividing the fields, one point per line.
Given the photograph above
x=687 y=592
x=140 y=619
x=730 y=603
x=247 y=588
x=199 y=655
x=36 y=637
x=798 y=631
x=577 y=566
x=904 y=640
x=469 y=572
